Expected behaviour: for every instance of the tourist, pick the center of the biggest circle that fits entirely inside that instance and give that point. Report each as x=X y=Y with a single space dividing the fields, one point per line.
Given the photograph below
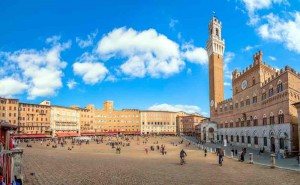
x=235 y=152
x=146 y=149
x=182 y=155
x=205 y=152
x=221 y=154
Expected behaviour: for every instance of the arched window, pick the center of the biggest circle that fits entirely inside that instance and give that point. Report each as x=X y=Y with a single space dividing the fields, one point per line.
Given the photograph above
x=280 y=117
x=253 y=81
x=255 y=122
x=265 y=120
x=279 y=87
x=265 y=141
x=281 y=143
x=237 y=139
x=249 y=139
x=256 y=140
x=231 y=138
x=243 y=139
x=217 y=32
x=272 y=120
x=271 y=92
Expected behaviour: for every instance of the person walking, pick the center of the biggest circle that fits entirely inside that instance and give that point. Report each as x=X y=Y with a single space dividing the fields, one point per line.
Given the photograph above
x=205 y=152
x=146 y=149
x=221 y=154
x=182 y=155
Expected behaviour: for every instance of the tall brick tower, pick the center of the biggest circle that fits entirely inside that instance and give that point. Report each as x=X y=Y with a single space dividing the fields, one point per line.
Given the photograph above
x=215 y=47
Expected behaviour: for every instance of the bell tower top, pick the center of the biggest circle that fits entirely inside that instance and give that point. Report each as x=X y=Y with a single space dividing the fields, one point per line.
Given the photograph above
x=215 y=43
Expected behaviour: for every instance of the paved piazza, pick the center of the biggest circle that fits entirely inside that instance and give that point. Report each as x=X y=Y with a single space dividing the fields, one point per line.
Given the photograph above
x=99 y=164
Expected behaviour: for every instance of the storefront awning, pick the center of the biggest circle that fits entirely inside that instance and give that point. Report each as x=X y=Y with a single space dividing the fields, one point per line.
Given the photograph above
x=66 y=134
x=22 y=136
x=87 y=134
x=167 y=133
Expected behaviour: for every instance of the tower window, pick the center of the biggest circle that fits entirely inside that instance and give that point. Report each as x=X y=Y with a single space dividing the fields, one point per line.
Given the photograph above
x=217 y=32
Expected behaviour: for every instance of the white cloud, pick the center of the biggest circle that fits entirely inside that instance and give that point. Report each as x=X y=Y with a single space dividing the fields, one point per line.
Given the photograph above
x=172 y=23
x=175 y=108
x=111 y=78
x=88 y=42
x=272 y=58
x=195 y=54
x=11 y=87
x=40 y=70
x=253 y=6
x=54 y=39
x=153 y=53
x=249 y=48
x=135 y=67
x=227 y=84
x=280 y=30
x=227 y=59
x=91 y=72
x=71 y=84
x=205 y=114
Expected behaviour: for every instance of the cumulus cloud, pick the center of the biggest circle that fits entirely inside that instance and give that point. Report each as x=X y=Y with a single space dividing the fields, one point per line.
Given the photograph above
x=281 y=30
x=11 y=87
x=90 y=69
x=88 y=42
x=40 y=71
x=152 y=53
x=175 y=108
x=71 y=84
x=194 y=54
x=252 y=6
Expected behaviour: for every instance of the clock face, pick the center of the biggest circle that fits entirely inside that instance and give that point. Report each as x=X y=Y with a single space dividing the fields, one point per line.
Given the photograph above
x=212 y=103
x=244 y=84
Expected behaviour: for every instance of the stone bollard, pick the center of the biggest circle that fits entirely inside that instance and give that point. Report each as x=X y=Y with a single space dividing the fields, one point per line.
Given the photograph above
x=211 y=150
x=251 y=158
x=231 y=154
x=272 y=160
x=202 y=147
x=224 y=152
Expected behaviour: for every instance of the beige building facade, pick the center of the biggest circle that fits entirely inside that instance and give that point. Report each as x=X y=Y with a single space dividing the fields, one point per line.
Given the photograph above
x=111 y=121
x=65 y=121
x=9 y=110
x=34 y=119
x=158 y=122
x=260 y=112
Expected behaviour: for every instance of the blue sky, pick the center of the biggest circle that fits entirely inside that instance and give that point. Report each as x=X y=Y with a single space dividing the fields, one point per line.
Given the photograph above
x=138 y=54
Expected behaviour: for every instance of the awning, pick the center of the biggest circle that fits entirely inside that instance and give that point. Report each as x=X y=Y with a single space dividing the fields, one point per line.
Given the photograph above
x=32 y=136
x=66 y=134
x=133 y=133
x=167 y=133
x=87 y=134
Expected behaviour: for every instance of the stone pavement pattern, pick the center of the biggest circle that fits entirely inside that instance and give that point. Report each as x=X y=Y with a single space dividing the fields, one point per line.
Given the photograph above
x=289 y=163
x=98 y=164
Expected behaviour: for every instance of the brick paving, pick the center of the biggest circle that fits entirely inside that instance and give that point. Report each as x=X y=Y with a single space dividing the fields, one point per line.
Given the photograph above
x=99 y=164
x=287 y=163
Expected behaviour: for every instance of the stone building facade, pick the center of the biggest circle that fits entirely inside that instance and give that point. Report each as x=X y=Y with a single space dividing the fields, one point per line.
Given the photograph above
x=189 y=123
x=111 y=121
x=297 y=105
x=260 y=112
x=34 y=118
x=9 y=110
x=158 y=122
x=65 y=121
